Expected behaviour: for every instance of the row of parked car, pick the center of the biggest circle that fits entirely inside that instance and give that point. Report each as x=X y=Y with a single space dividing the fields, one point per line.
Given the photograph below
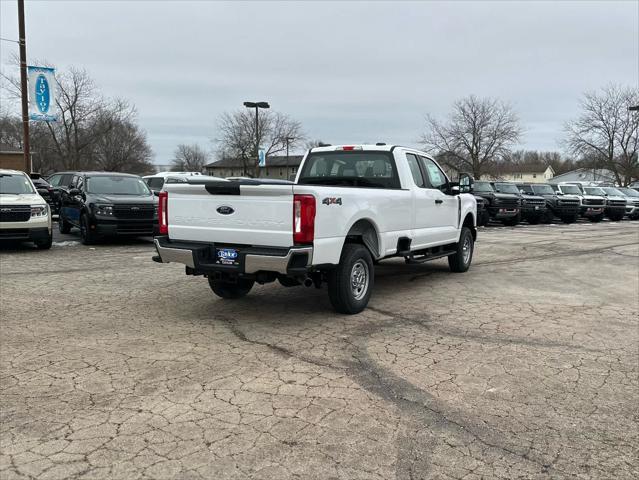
x=510 y=203
x=104 y=204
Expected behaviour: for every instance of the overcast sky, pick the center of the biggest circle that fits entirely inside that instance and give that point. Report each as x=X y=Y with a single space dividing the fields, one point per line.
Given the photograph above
x=350 y=72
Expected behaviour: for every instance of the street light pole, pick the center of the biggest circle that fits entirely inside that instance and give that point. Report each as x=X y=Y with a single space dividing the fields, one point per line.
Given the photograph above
x=288 y=139
x=23 y=87
x=257 y=106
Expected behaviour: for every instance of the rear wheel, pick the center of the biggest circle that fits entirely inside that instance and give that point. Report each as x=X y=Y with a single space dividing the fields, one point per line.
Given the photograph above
x=533 y=220
x=461 y=259
x=230 y=290
x=63 y=225
x=615 y=217
x=350 y=284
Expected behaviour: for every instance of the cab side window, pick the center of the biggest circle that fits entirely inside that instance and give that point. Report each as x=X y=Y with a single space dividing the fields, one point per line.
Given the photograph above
x=80 y=184
x=54 y=180
x=415 y=170
x=436 y=177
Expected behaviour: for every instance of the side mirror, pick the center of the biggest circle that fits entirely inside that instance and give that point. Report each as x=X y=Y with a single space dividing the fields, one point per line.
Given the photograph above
x=465 y=183
x=74 y=192
x=156 y=193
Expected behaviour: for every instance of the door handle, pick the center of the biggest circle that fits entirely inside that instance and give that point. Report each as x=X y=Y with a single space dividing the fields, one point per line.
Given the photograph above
x=439 y=201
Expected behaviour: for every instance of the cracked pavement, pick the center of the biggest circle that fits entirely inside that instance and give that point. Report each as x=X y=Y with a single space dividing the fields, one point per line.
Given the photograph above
x=526 y=366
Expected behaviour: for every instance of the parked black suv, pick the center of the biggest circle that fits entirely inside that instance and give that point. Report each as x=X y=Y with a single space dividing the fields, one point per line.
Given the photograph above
x=482 y=212
x=107 y=204
x=533 y=207
x=503 y=207
x=564 y=207
x=45 y=190
x=60 y=182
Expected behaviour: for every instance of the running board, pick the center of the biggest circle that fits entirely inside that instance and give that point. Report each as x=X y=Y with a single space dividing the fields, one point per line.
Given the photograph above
x=411 y=259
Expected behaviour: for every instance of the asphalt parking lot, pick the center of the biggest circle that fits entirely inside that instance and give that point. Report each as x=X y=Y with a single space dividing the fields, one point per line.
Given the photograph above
x=524 y=367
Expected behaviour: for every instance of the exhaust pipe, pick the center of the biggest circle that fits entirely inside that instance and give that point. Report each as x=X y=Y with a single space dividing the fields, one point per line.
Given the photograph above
x=308 y=282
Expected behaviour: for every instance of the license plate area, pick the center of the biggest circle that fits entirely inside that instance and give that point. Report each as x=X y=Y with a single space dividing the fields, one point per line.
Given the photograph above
x=227 y=256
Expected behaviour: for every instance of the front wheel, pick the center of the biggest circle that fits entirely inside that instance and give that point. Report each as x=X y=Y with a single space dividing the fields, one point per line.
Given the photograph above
x=63 y=225
x=45 y=244
x=511 y=222
x=86 y=235
x=350 y=284
x=460 y=260
x=230 y=290
x=596 y=219
x=570 y=218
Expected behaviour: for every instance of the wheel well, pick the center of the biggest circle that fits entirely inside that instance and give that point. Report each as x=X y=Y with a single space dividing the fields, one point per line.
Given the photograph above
x=363 y=231
x=469 y=222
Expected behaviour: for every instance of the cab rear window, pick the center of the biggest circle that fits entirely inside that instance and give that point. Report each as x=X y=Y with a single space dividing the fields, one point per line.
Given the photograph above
x=365 y=169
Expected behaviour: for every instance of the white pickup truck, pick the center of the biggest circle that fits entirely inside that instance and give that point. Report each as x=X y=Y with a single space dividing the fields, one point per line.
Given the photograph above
x=349 y=208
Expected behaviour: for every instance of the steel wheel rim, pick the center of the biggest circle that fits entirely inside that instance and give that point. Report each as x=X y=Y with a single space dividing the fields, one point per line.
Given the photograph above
x=467 y=249
x=360 y=276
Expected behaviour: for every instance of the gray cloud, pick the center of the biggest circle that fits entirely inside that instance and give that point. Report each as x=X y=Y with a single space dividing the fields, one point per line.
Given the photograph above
x=350 y=72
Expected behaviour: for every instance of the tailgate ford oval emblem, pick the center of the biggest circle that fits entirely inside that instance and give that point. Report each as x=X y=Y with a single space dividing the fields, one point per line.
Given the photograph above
x=225 y=210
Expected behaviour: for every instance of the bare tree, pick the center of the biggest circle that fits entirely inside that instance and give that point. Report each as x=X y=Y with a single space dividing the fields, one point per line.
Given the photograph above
x=478 y=131
x=607 y=131
x=238 y=139
x=189 y=158
x=79 y=139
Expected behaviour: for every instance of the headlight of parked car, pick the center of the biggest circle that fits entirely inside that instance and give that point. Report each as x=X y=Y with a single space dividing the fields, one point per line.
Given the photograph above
x=106 y=210
x=39 y=211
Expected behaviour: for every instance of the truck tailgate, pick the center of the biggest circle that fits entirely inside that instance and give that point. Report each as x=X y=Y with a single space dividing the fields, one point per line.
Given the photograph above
x=231 y=213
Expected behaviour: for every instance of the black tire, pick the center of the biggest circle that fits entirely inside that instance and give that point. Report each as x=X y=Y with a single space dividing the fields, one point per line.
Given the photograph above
x=569 y=218
x=45 y=244
x=63 y=225
x=355 y=265
x=596 y=219
x=615 y=217
x=511 y=222
x=460 y=260
x=547 y=217
x=230 y=290
x=86 y=235
x=534 y=220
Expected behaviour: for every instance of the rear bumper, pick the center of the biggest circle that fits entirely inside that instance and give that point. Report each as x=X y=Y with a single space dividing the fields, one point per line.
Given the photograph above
x=201 y=257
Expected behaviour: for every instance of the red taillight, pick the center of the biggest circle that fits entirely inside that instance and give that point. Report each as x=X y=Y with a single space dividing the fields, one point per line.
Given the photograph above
x=163 y=212
x=303 y=219
x=348 y=149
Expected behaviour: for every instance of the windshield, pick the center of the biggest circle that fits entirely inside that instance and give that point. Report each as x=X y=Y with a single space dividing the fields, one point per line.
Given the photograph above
x=570 y=189
x=117 y=185
x=594 y=191
x=482 y=187
x=543 y=190
x=507 y=188
x=612 y=191
x=15 y=184
x=629 y=192
x=351 y=169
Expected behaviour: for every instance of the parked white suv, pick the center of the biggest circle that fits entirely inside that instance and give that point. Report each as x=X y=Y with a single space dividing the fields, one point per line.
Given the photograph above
x=24 y=214
x=156 y=181
x=350 y=206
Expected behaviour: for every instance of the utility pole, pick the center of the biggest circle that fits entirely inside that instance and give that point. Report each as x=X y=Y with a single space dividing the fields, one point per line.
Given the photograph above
x=23 y=87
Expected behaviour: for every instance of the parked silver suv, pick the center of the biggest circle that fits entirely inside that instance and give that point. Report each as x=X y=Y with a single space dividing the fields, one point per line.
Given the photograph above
x=590 y=206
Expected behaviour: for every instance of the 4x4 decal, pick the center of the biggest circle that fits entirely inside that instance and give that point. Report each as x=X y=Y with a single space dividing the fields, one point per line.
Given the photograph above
x=332 y=201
